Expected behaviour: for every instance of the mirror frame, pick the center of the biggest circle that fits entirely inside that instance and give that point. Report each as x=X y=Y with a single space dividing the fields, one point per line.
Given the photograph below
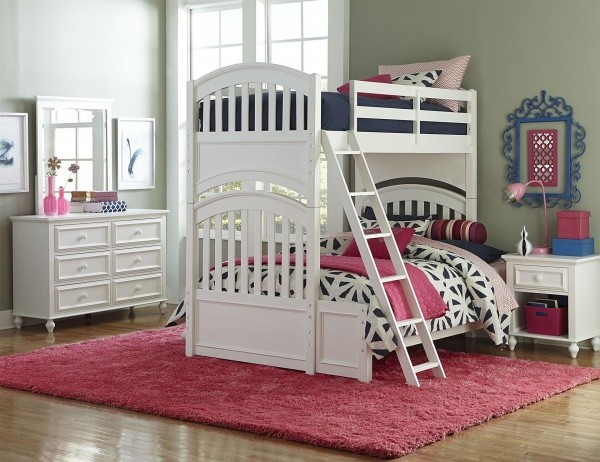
x=52 y=102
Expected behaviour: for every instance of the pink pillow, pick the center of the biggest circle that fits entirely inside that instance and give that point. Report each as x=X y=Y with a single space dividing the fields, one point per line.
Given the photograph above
x=378 y=248
x=453 y=71
x=382 y=78
x=461 y=230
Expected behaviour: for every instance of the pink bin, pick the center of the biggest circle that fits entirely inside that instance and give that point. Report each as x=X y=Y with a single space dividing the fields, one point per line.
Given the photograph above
x=573 y=224
x=546 y=321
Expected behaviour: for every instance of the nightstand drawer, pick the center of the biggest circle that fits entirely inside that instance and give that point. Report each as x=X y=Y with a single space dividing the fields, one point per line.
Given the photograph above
x=81 y=237
x=541 y=277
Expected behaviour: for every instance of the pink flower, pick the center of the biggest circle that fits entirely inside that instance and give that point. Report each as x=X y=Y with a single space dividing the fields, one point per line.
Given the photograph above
x=74 y=168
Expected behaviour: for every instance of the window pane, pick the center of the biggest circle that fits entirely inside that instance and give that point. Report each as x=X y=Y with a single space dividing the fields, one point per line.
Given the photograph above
x=315 y=56
x=231 y=26
x=64 y=116
x=205 y=28
x=315 y=18
x=285 y=21
x=204 y=61
x=64 y=143
x=287 y=54
x=86 y=116
x=85 y=143
x=84 y=179
x=231 y=55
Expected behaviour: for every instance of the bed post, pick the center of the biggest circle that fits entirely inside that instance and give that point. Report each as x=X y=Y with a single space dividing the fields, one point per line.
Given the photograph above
x=471 y=159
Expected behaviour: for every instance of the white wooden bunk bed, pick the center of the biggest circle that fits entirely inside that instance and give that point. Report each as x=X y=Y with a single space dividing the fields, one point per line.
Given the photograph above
x=236 y=139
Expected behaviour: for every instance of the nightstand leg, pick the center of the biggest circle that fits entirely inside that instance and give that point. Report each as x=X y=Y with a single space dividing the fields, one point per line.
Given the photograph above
x=18 y=322
x=512 y=342
x=50 y=326
x=162 y=307
x=573 y=349
x=596 y=343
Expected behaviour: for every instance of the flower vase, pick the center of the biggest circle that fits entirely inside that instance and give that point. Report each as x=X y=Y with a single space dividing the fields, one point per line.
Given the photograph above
x=62 y=203
x=50 y=202
x=524 y=247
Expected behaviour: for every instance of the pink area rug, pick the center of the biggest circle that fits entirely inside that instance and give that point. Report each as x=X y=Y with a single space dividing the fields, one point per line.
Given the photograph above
x=148 y=372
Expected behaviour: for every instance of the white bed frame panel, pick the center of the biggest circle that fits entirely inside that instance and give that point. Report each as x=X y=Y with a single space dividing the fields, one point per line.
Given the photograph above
x=298 y=330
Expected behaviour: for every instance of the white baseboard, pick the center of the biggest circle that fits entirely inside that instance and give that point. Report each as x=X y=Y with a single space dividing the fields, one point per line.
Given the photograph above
x=6 y=320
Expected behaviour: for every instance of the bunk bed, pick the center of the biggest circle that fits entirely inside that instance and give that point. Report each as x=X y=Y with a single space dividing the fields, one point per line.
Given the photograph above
x=255 y=136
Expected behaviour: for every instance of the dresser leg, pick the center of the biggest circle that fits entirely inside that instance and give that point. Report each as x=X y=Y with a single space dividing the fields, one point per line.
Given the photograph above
x=18 y=322
x=50 y=326
x=512 y=342
x=596 y=343
x=162 y=307
x=573 y=349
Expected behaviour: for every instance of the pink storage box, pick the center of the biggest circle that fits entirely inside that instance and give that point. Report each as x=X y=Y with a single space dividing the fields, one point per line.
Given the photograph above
x=546 y=321
x=573 y=224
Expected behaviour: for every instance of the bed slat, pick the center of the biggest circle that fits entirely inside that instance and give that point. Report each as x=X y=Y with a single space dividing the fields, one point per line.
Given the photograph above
x=205 y=254
x=258 y=125
x=206 y=114
x=231 y=251
x=231 y=109
x=272 y=105
x=218 y=111
x=285 y=258
x=256 y=220
x=245 y=107
x=298 y=277
x=285 y=114
x=218 y=272
x=299 y=111
x=244 y=251
x=270 y=225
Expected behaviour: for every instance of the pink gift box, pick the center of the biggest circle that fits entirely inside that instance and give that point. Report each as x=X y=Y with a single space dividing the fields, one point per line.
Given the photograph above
x=573 y=224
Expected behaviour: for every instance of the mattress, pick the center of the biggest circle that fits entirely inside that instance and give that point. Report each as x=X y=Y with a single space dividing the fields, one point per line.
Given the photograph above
x=335 y=115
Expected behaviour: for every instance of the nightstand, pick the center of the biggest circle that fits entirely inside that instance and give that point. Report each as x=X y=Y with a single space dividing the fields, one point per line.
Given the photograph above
x=542 y=276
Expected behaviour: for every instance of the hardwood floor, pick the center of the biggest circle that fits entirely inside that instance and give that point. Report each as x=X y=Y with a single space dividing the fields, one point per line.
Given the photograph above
x=40 y=428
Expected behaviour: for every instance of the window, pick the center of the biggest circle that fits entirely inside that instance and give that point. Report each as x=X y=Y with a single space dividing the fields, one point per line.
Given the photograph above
x=298 y=35
x=216 y=37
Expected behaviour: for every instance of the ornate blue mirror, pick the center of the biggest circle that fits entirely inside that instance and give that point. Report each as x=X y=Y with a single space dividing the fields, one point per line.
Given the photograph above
x=542 y=142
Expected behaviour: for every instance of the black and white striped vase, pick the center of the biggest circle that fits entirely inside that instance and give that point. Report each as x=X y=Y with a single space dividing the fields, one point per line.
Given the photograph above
x=524 y=247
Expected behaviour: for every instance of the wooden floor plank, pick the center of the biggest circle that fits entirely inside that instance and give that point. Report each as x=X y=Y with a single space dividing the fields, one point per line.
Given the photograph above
x=39 y=428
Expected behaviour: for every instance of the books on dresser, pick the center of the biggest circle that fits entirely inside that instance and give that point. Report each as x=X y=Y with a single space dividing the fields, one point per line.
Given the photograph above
x=97 y=202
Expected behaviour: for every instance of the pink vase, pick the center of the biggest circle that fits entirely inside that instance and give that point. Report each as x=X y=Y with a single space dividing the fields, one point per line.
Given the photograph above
x=62 y=203
x=50 y=202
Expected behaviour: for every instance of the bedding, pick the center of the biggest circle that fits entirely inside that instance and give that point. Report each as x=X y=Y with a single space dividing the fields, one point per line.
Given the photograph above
x=335 y=115
x=470 y=291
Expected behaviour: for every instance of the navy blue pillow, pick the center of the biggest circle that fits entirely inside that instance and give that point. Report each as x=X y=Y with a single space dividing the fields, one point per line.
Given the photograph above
x=369 y=214
x=486 y=252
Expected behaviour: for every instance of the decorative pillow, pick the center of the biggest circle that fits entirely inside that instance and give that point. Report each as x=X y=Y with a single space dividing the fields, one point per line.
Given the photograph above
x=382 y=78
x=486 y=252
x=463 y=230
x=453 y=71
x=420 y=226
x=329 y=245
x=402 y=236
x=418 y=79
x=369 y=214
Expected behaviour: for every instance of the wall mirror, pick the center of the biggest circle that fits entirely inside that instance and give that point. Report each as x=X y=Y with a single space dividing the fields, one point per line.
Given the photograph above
x=77 y=131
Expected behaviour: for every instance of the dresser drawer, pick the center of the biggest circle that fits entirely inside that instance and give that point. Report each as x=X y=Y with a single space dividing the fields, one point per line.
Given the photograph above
x=131 y=289
x=82 y=296
x=136 y=260
x=551 y=278
x=79 y=266
x=138 y=232
x=82 y=237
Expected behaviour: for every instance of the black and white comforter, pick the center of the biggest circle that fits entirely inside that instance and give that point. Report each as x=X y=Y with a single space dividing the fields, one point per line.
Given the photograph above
x=466 y=290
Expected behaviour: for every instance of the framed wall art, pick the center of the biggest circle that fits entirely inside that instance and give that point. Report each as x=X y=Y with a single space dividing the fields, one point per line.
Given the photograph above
x=135 y=151
x=14 y=153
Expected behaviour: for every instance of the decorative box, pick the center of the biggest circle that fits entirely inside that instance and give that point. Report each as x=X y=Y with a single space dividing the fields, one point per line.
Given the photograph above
x=546 y=321
x=573 y=247
x=573 y=224
x=105 y=207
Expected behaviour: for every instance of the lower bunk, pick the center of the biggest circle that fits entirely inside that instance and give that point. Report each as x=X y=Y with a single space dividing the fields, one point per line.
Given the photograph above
x=258 y=316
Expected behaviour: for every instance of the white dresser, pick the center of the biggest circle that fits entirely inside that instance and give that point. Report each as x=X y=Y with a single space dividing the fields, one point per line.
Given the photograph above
x=85 y=263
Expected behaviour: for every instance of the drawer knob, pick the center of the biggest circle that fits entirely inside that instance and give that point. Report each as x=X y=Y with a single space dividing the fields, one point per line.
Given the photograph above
x=84 y=296
x=84 y=266
x=137 y=288
x=83 y=237
x=539 y=277
x=138 y=232
x=138 y=260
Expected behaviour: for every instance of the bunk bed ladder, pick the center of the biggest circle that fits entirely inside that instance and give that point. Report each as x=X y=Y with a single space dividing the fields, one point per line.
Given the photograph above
x=370 y=194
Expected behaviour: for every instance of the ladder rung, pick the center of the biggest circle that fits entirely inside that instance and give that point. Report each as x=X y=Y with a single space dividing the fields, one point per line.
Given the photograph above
x=346 y=153
x=362 y=193
x=376 y=235
x=425 y=366
x=395 y=277
x=409 y=322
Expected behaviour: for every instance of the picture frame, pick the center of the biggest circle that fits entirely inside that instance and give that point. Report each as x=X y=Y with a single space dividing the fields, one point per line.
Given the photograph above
x=14 y=152
x=135 y=153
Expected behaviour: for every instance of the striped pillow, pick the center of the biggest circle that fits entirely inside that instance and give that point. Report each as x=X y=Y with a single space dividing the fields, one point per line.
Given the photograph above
x=453 y=71
x=462 y=230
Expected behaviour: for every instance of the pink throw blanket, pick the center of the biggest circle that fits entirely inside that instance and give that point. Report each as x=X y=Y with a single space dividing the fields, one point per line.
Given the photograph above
x=432 y=304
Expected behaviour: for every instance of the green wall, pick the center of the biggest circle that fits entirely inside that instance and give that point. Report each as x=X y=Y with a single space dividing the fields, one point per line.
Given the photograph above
x=81 y=48
x=517 y=48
